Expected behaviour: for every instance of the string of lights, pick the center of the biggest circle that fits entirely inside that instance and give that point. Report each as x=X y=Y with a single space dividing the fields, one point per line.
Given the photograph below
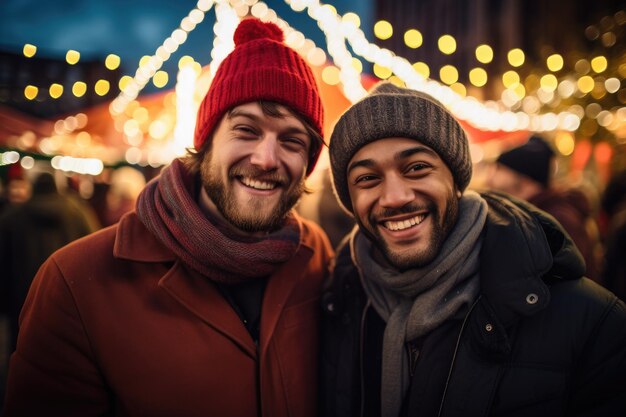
x=517 y=108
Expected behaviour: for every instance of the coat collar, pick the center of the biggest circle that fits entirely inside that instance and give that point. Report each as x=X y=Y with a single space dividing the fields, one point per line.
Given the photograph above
x=198 y=295
x=134 y=242
x=523 y=250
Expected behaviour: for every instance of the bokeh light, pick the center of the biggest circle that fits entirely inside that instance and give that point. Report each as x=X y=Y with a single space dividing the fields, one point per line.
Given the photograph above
x=413 y=38
x=383 y=30
x=484 y=54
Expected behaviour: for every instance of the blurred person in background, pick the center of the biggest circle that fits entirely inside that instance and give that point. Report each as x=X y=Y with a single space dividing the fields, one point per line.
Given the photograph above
x=525 y=172
x=125 y=185
x=14 y=191
x=70 y=186
x=31 y=232
x=18 y=188
x=614 y=207
x=205 y=300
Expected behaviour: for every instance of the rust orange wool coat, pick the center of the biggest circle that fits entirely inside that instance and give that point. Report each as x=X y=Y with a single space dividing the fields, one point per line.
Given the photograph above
x=115 y=325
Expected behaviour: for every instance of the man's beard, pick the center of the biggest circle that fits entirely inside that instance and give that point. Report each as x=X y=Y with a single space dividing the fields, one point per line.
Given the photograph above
x=249 y=217
x=439 y=232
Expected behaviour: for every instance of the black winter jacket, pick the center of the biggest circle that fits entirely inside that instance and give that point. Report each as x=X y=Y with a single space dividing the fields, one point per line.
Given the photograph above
x=536 y=342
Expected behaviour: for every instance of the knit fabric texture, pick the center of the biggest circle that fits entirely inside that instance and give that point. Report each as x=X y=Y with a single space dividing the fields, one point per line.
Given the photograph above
x=168 y=209
x=532 y=159
x=390 y=111
x=261 y=67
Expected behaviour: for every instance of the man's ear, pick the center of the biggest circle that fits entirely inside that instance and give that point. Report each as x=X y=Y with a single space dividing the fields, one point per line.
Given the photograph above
x=459 y=194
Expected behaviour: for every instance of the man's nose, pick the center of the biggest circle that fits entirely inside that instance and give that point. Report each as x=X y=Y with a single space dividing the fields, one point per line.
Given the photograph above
x=265 y=153
x=396 y=192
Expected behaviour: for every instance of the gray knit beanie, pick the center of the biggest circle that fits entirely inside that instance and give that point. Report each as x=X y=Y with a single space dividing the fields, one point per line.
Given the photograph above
x=390 y=111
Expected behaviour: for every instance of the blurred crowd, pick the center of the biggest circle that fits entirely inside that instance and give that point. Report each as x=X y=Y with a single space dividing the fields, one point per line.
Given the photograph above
x=42 y=210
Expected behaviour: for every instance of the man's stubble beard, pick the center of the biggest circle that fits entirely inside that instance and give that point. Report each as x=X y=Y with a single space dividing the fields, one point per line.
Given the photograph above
x=439 y=233
x=250 y=217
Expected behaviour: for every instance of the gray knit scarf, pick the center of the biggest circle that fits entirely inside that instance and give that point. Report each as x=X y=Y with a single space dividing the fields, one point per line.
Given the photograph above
x=416 y=301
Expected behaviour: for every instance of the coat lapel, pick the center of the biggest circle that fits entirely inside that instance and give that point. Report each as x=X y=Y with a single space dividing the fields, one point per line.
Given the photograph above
x=198 y=295
x=278 y=291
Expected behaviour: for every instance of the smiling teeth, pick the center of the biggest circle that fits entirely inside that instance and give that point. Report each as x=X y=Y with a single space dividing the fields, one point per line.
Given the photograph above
x=404 y=224
x=258 y=185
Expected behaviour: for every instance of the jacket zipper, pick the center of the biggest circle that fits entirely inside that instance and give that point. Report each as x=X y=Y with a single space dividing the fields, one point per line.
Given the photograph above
x=456 y=349
x=367 y=306
x=363 y=314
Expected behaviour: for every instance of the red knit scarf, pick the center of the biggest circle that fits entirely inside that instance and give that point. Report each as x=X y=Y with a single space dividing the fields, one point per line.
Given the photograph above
x=168 y=208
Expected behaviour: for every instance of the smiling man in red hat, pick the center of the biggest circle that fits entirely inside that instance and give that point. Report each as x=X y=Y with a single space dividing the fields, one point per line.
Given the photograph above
x=203 y=302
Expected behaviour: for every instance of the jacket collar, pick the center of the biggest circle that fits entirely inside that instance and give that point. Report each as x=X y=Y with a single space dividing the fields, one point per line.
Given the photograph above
x=198 y=295
x=523 y=250
x=134 y=242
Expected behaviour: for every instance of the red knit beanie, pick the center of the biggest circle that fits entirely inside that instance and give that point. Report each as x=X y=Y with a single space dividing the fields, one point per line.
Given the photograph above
x=261 y=67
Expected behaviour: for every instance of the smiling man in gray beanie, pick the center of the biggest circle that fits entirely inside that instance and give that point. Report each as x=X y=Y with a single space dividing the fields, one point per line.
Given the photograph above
x=445 y=302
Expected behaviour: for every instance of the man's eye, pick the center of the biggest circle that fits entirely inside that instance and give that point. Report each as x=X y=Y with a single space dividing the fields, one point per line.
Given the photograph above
x=293 y=141
x=245 y=129
x=364 y=179
x=417 y=167
x=293 y=144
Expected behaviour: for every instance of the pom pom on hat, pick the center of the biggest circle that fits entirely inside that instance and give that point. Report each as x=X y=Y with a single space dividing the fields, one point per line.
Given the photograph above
x=261 y=67
x=253 y=29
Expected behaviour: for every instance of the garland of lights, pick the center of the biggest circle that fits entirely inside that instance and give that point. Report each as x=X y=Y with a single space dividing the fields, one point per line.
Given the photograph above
x=145 y=71
x=488 y=117
x=491 y=115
